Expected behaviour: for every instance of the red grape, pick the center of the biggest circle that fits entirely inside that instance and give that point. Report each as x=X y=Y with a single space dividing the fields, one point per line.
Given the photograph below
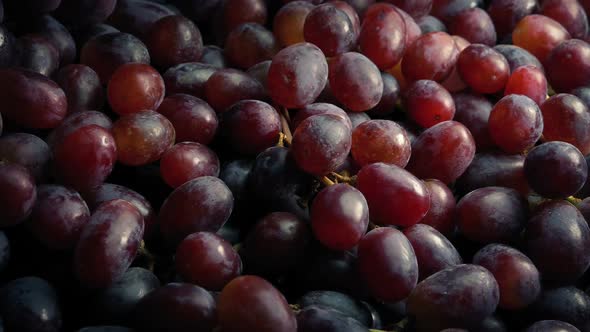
x=567 y=119
x=568 y=65
x=316 y=109
x=330 y=29
x=483 y=69
x=380 y=141
x=173 y=40
x=17 y=194
x=193 y=119
x=289 y=20
x=186 y=161
x=248 y=44
x=135 y=87
x=568 y=13
x=228 y=86
x=428 y=103
x=539 y=35
x=432 y=57
x=529 y=81
x=507 y=13
x=416 y=8
x=236 y=12
x=475 y=25
x=441 y=215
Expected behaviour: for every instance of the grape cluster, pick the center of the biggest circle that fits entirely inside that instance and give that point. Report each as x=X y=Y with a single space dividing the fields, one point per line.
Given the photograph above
x=294 y=166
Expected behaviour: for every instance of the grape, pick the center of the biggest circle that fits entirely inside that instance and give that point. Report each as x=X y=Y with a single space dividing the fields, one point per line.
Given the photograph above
x=528 y=81
x=8 y=48
x=138 y=16
x=267 y=308
x=235 y=176
x=339 y=216
x=76 y=121
x=322 y=319
x=382 y=38
x=186 y=161
x=431 y=57
x=442 y=152
x=515 y=123
x=332 y=270
x=416 y=8
x=390 y=96
x=260 y=72
x=249 y=44
x=446 y=10
x=105 y=53
x=560 y=226
x=289 y=20
x=473 y=111
x=566 y=304
x=28 y=151
x=189 y=78
x=507 y=13
x=491 y=67
x=518 y=56
x=30 y=304
x=348 y=306
x=135 y=87
x=584 y=94
x=321 y=143
x=213 y=55
x=228 y=86
x=199 y=12
x=18 y=194
x=142 y=137
x=566 y=117
x=330 y=29
x=571 y=57
x=352 y=14
x=108 y=243
x=559 y=158
x=94 y=30
x=251 y=126
x=85 y=12
x=38 y=54
x=5 y=251
x=475 y=25
x=193 y=119
x=433 y=251
x=59 y=36
x=454 y=83
x=430 y=24
x=387 y=264
x=319 y=108
x=200 y=205
x=297 y=75
x=105 y=328
x=461 y=296
x=276 y=244
x=207 y=260
x=539 y=35
x=441 y=214
x=236 y=12
x=355 y=81
x=568 y=13
x=494 y=169
x=117 y=302
x=395 y=196
x=58 y=216
x=551 y=326
x=428 y=103
x=380 y=141
x=82 y=88
x=492 y=215
x=177 y=307
x=31 y=99
x=173 y=40
x=517 y=277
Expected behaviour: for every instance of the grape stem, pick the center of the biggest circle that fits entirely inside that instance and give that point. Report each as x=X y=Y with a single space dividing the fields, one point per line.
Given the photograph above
x=326 y=181
x=151 y=259
x=575 y=201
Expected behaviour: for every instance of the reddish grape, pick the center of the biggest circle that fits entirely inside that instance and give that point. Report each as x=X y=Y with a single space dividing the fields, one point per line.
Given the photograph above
x=518 y=56
x=200 y=205
x=388 y=264
x=228 y=86
x=567 y=119
x=558 y=226
x=483 y=69
x=559 y=158
x=28 y=151
x=249 y=44
x=460 y=296
x=475 y=25
x=213 y=55
x=261 y=120
x=108 y=243
x=442 y=152
x=441 y=215
x=85 y=157
x=189 y=78
x=568 y=65
x=321 y=143
x=173 y=40
x=82 y=88
x=416 y=8
x=330 y=29
x=515 y=123
x=473 y=111
x=431 y=57
x=267 y=308
x=297 y=75
x=380 y=141
x=568 y=13
x=428 y=103
x=58 y=217
x=316 y=109
x=142 y=137
x=355 y=81
x=186 y=161
x=207 y=260
x=38 y=54
x=390 y=96
x=383 y=35
x=289 y=20
x=492 y=215
x=236 y=12
x=352 y=14
x=193 y=119
x=518 y=278
x=17 y=194
x=76 y=121
x=395 y=196
x=31 y=99
x=454 y=83
x=528 y=81
x=539 y=35
x=135 y=87
x=339 y=216
x=507 y=13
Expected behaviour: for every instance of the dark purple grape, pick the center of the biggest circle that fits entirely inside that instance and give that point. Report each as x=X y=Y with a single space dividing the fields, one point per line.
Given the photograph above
x=330 y=29
x=188 y=78
x=59 y=35
x=28 y=151
x=430 y=24
x=138 y=16
x=390 y=96
x=473 y=111
x=228 y=86
x=249 y=44
x=82 y=87
x=85 y=12
x=235 y=176
x=567 y=304
x=345 y=304
x=173 y=40
x=507 y=13
x=17 y=194
x=490 y=169
x=94 y=30
x=38 y=54
x=322 y=319
x=8 y=48
x=518 y=56
x=441 y=214
x=193 y=119
x=213 y=55
x=551 y=326
x=5 y=251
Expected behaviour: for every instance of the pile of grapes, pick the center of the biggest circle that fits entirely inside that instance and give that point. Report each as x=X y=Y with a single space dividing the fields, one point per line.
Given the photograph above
x=294 y=166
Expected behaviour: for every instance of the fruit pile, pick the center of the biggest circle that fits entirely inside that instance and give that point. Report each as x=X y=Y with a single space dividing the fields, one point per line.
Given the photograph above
x=294 y=166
